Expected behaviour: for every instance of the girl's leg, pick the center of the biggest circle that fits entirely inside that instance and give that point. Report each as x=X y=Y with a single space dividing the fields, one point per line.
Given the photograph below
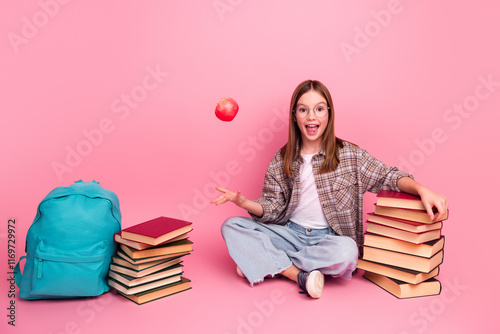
x=333 y=255
x=291 y=272
x=259 y=250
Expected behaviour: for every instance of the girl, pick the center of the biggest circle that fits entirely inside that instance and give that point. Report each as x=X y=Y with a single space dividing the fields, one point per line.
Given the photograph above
x=308 y=221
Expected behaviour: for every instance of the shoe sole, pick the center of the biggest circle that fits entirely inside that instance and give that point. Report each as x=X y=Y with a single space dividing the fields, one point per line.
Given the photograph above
x=315 y=283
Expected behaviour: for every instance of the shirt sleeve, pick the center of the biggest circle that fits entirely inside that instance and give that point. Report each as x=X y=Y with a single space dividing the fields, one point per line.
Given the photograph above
x=273 y=199
x=375 y=175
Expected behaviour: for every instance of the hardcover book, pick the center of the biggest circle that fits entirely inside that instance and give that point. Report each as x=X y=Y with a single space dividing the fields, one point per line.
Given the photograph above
x=399 y=200
x=139 y=245
x=416 y=238
x=170 y=248
x=420 y=216
x=401 y=289
x=143 y=272
x=156 y=231
x=130 y=281
x=402 y=274
x=427 y=249
x=146 y=260
x=125 y=263
x=401 y=224
x=160 y=292
x=402 y=260
x=126 y=290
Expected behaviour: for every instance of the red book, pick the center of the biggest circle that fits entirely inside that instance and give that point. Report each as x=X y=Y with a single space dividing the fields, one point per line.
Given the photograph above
x=156 y=231
x=399 y=200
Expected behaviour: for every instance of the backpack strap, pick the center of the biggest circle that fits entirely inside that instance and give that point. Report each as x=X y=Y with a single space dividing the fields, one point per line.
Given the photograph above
x=17 y=272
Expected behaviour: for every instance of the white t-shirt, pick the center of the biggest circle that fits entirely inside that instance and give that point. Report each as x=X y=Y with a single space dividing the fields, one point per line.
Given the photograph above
x=309 y=213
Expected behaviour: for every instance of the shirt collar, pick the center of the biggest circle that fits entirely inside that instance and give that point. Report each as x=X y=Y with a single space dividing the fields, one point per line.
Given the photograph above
x=299 y=156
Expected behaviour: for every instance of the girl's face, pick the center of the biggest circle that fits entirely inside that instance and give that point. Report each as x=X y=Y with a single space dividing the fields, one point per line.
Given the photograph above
x=311 y=115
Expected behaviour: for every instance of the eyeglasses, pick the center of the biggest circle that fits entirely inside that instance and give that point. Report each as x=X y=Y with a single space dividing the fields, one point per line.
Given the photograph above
x=320 y=111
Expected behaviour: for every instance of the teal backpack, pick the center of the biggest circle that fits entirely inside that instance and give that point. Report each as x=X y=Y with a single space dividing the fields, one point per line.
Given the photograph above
x=70 y=243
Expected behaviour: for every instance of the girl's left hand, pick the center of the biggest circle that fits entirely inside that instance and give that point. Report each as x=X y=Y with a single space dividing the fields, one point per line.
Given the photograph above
x=431 y=200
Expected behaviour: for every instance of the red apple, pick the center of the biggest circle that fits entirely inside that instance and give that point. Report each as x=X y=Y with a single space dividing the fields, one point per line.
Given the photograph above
x=226 y=109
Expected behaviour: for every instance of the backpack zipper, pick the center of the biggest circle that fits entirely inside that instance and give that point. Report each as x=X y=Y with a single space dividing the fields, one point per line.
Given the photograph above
x=40 y=261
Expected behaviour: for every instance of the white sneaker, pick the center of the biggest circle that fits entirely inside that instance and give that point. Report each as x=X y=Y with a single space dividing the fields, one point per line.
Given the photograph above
x=311 y=282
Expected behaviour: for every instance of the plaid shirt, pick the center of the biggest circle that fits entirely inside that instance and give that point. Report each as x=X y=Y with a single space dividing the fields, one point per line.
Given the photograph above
x=340 y=192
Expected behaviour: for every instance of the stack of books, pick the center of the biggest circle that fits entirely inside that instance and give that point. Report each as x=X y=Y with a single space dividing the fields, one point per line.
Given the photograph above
x=148 y=263
x=403 y=248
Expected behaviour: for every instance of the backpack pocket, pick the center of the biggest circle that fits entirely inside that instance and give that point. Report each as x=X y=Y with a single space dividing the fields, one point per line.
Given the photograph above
x=69 y=273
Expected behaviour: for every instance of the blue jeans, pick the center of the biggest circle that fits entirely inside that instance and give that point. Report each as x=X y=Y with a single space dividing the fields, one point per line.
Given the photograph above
x=262 y=250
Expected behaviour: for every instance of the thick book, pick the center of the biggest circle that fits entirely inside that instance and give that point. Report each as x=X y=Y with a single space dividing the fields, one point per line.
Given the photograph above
x=401 y=224
x=165 y=249
x=427 y=249
x=401 y=289
x=402 y=274
x=402 y=260
x=156 y=231
x=126 y=290
x=399 y=200
x=420 y=216
x=139 y=245
x=130 y=281
x=160 y=292
x=142 y=261
x=143 y=272
x=416 y=238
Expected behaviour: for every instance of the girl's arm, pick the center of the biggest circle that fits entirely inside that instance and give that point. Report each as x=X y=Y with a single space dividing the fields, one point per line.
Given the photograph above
x=251 y=206
x=429 y=198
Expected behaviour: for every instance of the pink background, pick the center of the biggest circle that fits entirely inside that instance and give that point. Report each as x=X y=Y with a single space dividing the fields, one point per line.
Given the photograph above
x=399 y=72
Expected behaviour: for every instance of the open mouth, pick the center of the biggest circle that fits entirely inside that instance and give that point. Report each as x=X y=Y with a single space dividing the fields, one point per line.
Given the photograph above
x=312 y=129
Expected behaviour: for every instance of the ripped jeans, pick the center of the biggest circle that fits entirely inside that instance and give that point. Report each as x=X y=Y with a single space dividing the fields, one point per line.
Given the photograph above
x=263 y=250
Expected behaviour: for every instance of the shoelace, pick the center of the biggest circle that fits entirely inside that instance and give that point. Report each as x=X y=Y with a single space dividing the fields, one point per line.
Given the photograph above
x=302 y=279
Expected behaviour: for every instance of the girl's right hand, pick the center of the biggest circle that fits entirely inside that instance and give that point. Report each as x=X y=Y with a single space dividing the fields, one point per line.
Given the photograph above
x=229 y=196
